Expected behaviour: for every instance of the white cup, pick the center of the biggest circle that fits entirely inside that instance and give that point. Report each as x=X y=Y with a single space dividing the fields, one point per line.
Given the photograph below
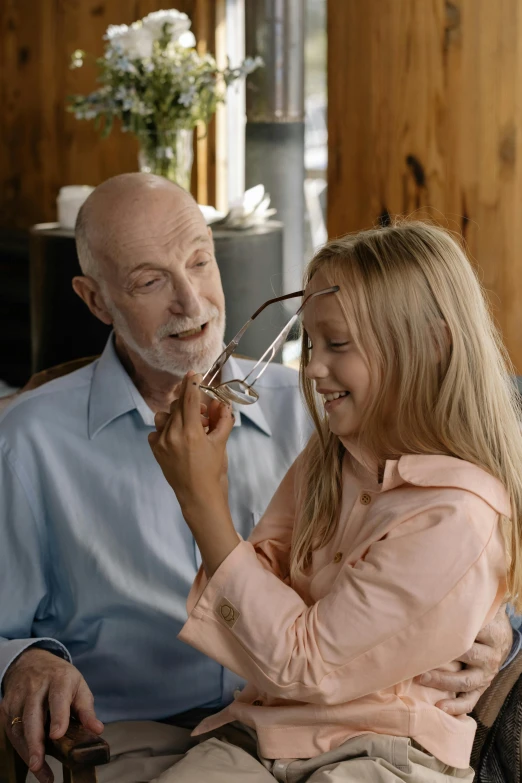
x=69 y=201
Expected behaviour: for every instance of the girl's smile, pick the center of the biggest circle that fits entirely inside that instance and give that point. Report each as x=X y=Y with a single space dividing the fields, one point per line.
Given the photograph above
x=332 y=399
x=337 y=366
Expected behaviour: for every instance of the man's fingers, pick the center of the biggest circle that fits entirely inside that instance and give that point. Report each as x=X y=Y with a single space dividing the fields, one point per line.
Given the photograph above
x=464 y=681
x=60 y=710
x=89 y=720
x=83 y=706
x=498 y=635
x=33 y=720
x=17 y=739
x=482 y=656
x=463 y=704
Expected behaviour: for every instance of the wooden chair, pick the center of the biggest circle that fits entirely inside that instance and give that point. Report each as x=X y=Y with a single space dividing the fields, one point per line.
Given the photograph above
x=79 y=752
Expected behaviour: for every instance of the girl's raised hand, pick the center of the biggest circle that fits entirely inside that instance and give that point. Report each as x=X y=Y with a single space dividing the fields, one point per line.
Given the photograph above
x=193 y=460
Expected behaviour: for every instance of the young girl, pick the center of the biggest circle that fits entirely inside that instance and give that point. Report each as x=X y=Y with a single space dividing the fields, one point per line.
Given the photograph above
x=393 y=539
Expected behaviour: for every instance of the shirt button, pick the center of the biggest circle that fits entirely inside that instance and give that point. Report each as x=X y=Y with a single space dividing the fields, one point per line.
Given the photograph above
x=338 y=557
x=237 y=693
x=257 y=703
x=366 y=499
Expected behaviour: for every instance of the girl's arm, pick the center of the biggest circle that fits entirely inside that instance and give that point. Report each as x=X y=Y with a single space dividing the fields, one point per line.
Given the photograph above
x=271 y=538
x=416 y=601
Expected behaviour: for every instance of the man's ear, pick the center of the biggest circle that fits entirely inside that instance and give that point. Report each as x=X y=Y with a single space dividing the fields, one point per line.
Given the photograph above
x=88 y=289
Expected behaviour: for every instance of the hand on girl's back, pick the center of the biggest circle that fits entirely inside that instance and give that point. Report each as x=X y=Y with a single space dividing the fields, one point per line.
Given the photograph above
x=480 y=665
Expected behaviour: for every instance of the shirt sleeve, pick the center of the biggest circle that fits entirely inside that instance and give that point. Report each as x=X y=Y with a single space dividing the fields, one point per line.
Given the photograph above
x=516 y=623
x=415 y=601
x=515 y=648
x=23 y=584
x=271 y=538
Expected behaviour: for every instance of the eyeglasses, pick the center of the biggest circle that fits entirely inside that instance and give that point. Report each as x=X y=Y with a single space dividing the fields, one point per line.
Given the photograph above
x=242 y=391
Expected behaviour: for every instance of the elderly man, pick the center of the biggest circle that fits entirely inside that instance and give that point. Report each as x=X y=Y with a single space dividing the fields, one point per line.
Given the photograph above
x=95 y=561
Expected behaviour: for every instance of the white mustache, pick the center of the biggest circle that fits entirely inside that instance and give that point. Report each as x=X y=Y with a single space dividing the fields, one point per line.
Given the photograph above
x=177 y=325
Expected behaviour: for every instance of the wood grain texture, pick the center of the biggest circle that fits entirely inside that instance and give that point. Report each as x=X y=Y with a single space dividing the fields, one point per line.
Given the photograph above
x=43 y=147
x=425 y=117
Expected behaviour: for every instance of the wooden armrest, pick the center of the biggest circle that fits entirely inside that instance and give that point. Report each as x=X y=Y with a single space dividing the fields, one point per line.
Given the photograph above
x=79 y=751
x=79 y=747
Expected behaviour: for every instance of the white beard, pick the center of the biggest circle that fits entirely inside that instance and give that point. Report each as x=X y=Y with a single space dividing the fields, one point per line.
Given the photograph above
x=173 y=356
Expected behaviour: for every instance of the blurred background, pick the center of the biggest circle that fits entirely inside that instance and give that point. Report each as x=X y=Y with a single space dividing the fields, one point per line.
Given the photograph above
x=363 y=109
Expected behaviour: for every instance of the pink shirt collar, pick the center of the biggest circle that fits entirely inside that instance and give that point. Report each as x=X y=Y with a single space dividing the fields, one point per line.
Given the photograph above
x=429 y=470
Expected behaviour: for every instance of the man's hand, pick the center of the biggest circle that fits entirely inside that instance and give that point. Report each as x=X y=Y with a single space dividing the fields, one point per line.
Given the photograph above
x=36 y=683
x=481 y=664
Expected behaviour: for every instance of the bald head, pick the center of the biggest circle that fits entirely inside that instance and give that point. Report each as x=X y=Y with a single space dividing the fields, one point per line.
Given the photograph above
x=119 y=203
x=149 y=269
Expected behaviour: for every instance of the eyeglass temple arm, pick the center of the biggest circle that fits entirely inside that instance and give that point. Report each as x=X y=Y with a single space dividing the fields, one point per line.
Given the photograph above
x=211 y=374
x=232 y=345
x=280 y=339
x=270 y=352
x=276 y=299
x=333 y=290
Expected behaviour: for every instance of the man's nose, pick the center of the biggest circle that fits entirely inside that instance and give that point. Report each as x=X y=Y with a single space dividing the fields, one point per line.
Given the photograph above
x=185 y=299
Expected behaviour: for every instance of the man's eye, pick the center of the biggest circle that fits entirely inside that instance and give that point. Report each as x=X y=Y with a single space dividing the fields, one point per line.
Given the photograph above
x=149 y=283
x=202 y=262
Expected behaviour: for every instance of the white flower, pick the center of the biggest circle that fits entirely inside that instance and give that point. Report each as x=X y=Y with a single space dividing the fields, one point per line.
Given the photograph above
x=135 y=41
x=187 y=39
x=115 y=31
x=178 y=21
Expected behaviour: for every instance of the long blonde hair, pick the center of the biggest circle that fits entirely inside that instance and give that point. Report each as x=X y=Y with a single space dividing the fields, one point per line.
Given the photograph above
x=421 y=315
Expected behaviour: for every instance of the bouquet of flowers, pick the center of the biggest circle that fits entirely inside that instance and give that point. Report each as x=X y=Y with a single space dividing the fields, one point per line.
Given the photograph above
x=152 y=78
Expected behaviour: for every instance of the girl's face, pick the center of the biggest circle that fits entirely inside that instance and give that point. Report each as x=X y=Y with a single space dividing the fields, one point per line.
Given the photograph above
x=339 y=370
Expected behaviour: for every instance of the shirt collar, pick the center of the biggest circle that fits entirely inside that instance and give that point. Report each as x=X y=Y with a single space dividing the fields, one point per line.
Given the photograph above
x=113 y=393
x=430 y=470
x=254 y=413
x=436 y=470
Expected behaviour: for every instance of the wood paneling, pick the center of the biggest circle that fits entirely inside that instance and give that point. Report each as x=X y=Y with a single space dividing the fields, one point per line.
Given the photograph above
x=42 y=147
x=425 y=117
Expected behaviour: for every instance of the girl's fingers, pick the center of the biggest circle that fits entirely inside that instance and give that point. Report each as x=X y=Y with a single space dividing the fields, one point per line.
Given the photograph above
x=222 y=427
x=160 y=420
x=191 y=400
x=214 y=413
x=153 y=439
x=180 y=393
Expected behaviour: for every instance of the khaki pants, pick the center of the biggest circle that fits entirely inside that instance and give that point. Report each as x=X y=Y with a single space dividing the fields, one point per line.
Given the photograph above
x=147 y=751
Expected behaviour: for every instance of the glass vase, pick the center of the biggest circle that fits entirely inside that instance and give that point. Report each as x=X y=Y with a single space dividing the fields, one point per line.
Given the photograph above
x=167 y=153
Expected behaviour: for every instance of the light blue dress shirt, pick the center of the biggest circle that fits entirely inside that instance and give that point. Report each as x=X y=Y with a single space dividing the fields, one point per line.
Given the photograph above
x=96 y=561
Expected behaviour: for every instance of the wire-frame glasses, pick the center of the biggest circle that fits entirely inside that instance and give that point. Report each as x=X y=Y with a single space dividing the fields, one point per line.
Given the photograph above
x=241 y=390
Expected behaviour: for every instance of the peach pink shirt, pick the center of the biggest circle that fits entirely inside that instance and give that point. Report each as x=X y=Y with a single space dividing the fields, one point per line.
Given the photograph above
x=415 y=569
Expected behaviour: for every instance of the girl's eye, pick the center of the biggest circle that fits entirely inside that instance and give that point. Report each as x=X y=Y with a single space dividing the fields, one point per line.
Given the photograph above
x=339 y=345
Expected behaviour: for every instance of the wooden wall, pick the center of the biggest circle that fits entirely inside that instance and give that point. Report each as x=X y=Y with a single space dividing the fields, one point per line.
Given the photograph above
x=425 y=116
x=42 y=147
